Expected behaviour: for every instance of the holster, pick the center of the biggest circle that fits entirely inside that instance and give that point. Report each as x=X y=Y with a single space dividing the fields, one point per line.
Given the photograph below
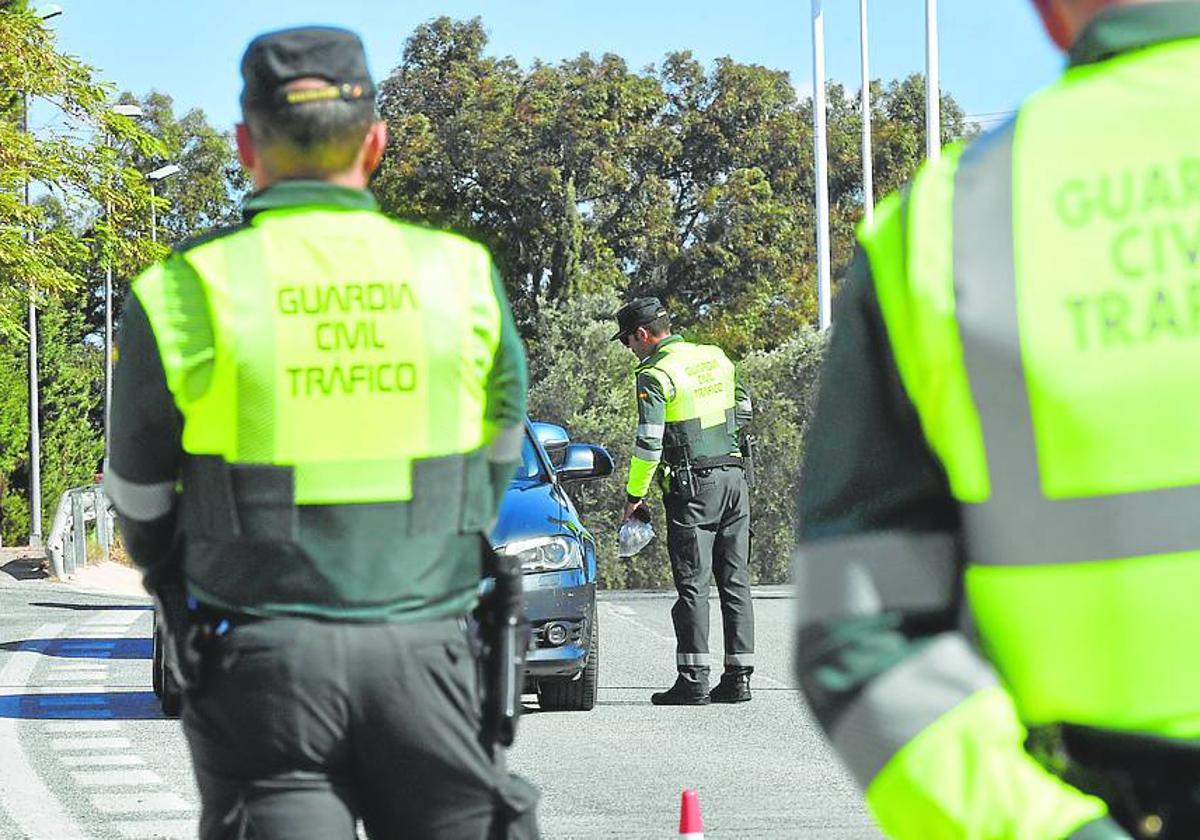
x=746 y=444
x=504 y=638
x=682 y=482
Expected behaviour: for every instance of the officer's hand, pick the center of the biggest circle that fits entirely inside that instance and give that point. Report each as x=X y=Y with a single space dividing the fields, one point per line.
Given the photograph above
x=630 y=507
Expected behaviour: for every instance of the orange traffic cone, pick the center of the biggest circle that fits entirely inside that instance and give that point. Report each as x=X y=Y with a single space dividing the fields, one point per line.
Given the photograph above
x=690 y=824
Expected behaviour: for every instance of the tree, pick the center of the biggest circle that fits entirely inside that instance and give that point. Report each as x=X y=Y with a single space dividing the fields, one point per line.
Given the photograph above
x=592 y=182
x=84 y=172
x=91 y=207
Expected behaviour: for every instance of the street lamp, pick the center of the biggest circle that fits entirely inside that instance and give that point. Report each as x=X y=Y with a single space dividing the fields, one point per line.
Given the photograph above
x=154 y=177
x=35 y=425
x=125 y=111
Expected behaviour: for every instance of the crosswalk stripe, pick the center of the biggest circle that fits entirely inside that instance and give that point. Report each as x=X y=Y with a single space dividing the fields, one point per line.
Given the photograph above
x=130 y=803
x=64 y=744
x=116 y=778
x=102 y=760
x=167 y=829
x=83 y=727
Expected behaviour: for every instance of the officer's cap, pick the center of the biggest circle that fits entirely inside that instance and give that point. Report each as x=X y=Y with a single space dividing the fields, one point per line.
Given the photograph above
x=276 y=58
x=637 y=313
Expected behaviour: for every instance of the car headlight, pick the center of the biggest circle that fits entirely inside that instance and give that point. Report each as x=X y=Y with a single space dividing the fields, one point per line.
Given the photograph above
x=547 y=554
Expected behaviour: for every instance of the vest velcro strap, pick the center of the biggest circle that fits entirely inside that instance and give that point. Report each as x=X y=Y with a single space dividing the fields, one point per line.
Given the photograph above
x=207 y=505
x=264 y=496
x=226 y=501
x=450 y=495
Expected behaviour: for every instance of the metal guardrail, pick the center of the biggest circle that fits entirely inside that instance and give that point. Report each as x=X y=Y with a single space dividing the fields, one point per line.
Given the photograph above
x=67 y=543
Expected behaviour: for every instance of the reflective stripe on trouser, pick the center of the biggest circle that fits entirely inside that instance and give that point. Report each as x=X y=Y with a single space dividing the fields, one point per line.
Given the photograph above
x=710 y=536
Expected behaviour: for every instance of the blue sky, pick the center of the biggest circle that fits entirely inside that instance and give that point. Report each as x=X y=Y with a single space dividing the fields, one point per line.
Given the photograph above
x=992 y=51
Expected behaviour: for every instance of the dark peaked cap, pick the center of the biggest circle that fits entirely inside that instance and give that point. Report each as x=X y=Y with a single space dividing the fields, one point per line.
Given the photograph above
x=276 y=58
x=637 y=313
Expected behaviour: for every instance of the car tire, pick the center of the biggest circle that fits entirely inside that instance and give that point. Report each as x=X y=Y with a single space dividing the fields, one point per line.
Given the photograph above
x=170 y=697
x=156 y=659
x=578 y=695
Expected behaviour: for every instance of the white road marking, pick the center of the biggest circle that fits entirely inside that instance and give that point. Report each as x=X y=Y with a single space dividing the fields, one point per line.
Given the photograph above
x=79 y=667
x=82 y=727
x=132 y=803
x=173 y=829
x=72 y=676
x=64 y=744
x=102 y=760
x=116 y=778
x=26 y=800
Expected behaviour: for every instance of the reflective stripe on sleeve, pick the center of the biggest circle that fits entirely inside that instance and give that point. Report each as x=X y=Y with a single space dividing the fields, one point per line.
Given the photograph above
x=904 y=701
x=506 y=446
x=875 y=573
x=138 y=501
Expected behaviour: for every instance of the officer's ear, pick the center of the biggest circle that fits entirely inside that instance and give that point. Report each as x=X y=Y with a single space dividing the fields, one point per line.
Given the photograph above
x=374 y=146
x=245 y=147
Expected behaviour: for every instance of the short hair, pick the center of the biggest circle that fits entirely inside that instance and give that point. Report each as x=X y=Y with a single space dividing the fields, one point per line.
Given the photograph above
x=659 y=326
x=309 y=138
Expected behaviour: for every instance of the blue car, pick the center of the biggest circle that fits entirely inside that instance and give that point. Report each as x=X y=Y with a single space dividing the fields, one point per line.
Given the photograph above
x=539 y=524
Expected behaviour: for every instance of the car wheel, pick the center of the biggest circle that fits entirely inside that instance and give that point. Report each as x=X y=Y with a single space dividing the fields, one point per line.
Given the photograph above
x=578 y=695
x=156 y=659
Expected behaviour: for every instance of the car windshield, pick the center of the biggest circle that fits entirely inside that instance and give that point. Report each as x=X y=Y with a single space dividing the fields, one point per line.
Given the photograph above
x=531 y=465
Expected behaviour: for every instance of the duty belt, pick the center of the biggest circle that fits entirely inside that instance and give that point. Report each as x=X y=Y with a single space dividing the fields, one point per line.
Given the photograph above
x=719 y=461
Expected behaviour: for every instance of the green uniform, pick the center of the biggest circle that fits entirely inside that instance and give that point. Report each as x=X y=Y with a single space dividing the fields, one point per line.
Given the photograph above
x=324 y=406
x=690 y=407
x=998 y=506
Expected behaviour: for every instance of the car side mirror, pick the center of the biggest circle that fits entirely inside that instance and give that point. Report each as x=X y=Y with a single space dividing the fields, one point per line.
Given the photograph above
x=554 y=439
x=584 y=462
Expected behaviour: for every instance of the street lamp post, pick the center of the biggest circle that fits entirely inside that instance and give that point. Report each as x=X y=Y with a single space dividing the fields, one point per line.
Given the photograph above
x=125 y=111
x=154 y=177
x=868 y=175
x=933 y=96
x=35 y=423
x=821 y=158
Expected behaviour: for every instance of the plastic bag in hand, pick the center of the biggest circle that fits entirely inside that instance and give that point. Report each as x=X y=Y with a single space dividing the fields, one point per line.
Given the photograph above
x=635 y=534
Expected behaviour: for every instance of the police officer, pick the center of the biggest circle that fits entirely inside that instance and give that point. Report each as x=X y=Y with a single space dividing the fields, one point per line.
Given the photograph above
x=1002 y=474
x=690 y=408
x=315 y=415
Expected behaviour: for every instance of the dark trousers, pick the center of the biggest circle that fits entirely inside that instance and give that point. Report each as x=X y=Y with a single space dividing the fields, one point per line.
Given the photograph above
x=304 y=726
x=709 y=536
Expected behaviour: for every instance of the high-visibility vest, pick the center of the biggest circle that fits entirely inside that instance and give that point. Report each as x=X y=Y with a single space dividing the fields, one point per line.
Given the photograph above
x=699 y=382
x=1041 y=292
x=325 y=356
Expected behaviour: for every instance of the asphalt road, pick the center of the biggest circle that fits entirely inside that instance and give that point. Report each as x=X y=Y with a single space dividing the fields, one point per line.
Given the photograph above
x=84 y=752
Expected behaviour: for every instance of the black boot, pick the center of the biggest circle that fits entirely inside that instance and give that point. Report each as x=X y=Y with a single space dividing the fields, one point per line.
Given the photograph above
x=734 y=687
x=685 y=692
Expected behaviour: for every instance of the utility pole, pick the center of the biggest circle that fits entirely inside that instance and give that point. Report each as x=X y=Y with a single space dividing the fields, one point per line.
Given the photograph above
x=868 y=174
x=821 y=158
x=933 y=95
